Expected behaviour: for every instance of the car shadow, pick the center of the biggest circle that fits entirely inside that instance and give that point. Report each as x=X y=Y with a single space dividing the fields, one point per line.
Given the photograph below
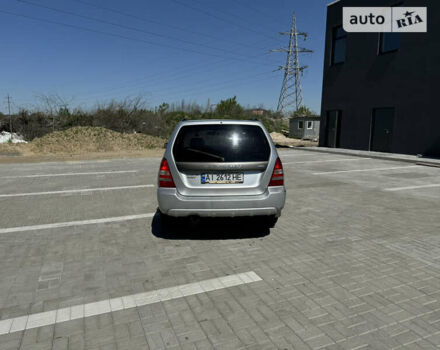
x=209 y=228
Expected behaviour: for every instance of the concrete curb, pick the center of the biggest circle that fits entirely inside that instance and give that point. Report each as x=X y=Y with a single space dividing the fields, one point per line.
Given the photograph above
x=377 y=155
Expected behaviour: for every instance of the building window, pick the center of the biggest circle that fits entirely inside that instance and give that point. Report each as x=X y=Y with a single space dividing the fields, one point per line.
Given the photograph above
x=300 y=125
x=389 y=42
x=309 y=125
x=339 y=45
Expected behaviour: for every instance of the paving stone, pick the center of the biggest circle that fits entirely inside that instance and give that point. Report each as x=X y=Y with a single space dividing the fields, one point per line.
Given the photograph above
x=347 y=266
x=61 y=343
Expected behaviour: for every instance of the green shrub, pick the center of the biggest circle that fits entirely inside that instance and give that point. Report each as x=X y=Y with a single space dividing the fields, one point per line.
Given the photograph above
x=132 y=116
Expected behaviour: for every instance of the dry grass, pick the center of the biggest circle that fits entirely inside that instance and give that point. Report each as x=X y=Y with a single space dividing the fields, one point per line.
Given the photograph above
x=93 y=139
x=281 y=140
x=98 y=143
x=85 y=143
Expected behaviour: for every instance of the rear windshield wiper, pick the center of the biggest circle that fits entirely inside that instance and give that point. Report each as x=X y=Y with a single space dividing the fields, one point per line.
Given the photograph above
x=205 y=153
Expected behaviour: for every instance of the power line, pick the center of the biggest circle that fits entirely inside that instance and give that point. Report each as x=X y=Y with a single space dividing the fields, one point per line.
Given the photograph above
x=101 y=32
x=183 y=74
x=217 y=86
x=220 y=87
x=247 y=6
x=196 y=89
x=155 y=78
x=118 y=35
x=207 y=13
x=131 y=28
x=202 y=83
x=241 y=18
x=291 y=93
x=149 y=20
x=140 y=81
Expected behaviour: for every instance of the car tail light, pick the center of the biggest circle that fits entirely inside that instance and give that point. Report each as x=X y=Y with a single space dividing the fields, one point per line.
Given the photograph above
x=165 y=177
x=277 y=178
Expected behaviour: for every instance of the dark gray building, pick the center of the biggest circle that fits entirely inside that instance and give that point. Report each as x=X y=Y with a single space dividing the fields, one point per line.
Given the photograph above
x=381 y=90
x=306 y=127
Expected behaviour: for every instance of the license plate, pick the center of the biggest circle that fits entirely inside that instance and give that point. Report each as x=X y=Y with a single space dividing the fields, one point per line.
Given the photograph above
x=222 y=178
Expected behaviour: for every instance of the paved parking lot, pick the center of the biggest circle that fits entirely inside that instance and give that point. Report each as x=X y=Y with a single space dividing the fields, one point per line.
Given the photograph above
x=353 y=263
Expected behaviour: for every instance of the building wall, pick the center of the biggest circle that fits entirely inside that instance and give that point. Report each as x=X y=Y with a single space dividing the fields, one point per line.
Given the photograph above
x=407 y=80
x=294 y=131
x=304 y=133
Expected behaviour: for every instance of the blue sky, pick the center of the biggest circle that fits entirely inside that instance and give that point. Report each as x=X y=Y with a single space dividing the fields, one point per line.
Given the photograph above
x=90 y=51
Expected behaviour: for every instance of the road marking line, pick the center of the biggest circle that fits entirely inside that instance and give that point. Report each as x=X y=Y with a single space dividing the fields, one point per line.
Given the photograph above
x=76 y=223
x=294 y=156
x=327 y=160
x=371 y=169
x=411 y=187
x=291 y=154
x=126 y=302
x=71 y=174
x=73 y=191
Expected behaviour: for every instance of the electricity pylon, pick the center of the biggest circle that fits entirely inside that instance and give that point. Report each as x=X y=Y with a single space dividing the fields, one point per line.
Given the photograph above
x=291 y=91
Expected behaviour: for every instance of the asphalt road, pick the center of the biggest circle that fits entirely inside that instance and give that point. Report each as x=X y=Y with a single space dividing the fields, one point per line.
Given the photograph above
x=353 y=263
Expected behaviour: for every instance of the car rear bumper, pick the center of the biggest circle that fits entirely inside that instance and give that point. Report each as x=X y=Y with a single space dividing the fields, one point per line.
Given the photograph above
x=269 y=203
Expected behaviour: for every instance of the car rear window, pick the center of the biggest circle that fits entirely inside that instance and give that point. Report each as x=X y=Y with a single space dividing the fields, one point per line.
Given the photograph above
x=221 y=143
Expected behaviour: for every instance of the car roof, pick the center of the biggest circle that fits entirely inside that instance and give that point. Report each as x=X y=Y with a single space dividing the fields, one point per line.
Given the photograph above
x=220 y=121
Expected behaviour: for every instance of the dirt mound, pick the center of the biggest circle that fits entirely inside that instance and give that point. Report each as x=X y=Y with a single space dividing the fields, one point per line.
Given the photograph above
x=281 y=140
x=79 y=140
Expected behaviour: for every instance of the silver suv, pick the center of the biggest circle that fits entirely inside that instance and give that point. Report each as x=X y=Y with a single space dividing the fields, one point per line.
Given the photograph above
x=221 y=168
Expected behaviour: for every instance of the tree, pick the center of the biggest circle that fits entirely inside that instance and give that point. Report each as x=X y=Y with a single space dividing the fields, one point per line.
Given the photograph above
x=52 y=105
x=163 y=108
x=301 y=112
x=64 y=111
x=229 y=106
